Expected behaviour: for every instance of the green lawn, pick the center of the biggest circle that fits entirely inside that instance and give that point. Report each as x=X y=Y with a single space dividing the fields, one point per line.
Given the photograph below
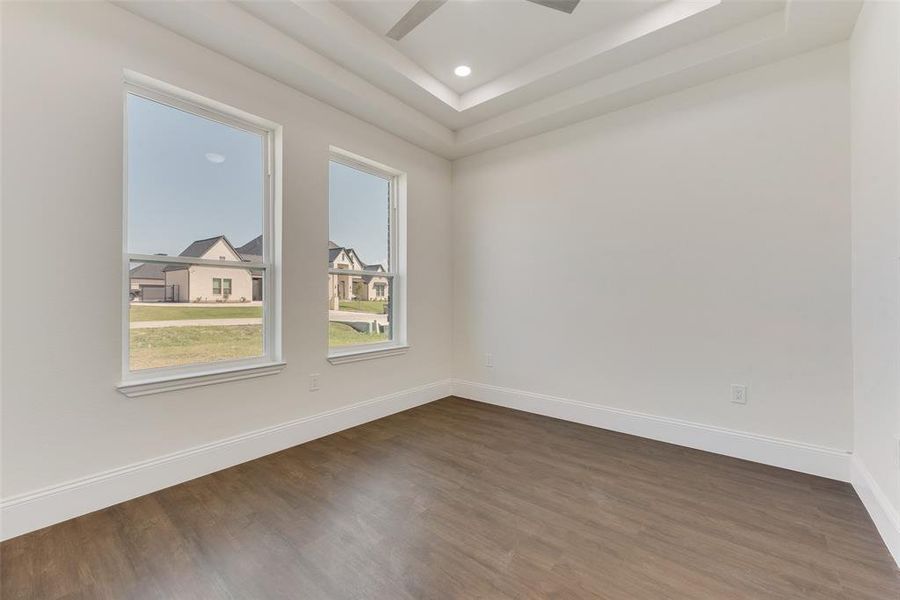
x=178 y=313
x=172 y=346
x=340 y=334
x=366 y=306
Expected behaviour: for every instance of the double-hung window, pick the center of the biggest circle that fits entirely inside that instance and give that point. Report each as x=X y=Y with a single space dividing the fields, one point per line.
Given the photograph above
x=366 y=270
x=201 y=247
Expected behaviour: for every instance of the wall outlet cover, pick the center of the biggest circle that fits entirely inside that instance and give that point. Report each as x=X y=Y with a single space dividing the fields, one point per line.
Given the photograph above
x=738 y=393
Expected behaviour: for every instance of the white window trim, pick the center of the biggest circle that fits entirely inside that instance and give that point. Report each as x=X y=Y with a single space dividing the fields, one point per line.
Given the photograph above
x=150 y=381
x=399 y=343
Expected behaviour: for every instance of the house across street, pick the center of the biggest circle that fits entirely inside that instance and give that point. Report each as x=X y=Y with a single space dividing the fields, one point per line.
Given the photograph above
x=202 y=313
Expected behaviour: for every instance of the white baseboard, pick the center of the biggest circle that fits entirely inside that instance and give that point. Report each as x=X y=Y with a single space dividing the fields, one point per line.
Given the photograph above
x=797 y=456
x=28 y=512
x=34 y=510
x=883 y=514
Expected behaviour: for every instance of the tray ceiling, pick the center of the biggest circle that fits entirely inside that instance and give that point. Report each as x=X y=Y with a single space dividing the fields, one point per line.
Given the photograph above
x=492 y=37
x=534 y=68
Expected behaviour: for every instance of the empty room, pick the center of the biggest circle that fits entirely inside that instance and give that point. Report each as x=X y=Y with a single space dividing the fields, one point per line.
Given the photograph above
x=450 y=299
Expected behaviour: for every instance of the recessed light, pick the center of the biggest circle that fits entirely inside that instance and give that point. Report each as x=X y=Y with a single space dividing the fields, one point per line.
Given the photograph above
x=462 y=71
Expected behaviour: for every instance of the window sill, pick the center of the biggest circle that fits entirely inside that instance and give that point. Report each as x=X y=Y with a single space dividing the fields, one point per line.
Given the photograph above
x=181 y=382
x=340 y=358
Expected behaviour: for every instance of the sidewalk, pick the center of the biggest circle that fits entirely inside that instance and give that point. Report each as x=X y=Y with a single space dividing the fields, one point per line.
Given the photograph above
x=192 y=323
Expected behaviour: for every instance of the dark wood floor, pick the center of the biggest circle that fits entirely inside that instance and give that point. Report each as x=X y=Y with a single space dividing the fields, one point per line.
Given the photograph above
x=458 y=499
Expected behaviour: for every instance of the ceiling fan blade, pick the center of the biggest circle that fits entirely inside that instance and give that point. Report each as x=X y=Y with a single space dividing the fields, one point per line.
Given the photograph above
x=566 y=6
x=420 y=11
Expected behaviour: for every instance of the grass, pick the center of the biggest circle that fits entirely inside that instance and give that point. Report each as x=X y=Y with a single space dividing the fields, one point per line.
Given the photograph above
x=171 y=346
x=340 y=334
x=164 y=313
x=365 y=306
x=174 y=346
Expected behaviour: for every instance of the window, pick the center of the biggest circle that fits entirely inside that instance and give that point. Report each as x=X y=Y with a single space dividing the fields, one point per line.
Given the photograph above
x=201 y=242
x=221 y=286
x=365 y=272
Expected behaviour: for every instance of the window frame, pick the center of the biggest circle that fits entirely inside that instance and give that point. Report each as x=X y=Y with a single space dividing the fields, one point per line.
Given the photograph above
x=155 y=380
x=396 y=268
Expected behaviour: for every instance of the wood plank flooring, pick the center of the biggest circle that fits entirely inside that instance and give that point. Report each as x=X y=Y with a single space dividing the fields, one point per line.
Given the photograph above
x=457 y=499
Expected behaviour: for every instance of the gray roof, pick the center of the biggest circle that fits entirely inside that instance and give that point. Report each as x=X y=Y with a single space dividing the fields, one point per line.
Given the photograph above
x=249 y=252
x=253 y=248
x=200 y=247
x=197 y=249
x=148 y=271
x=334 y=250
x=377 y=268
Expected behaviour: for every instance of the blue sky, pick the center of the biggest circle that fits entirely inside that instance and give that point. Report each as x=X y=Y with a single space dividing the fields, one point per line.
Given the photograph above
x=191 y=178
x=175 y=194
x=358 y=212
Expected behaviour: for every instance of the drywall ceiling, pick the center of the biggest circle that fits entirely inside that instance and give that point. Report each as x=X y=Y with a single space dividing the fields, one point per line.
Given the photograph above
x=492 y=37
x=534 y=69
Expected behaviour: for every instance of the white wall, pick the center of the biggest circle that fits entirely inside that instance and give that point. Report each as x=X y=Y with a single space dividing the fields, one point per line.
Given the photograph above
x=875 y=119
x=62 y=215
x=648 y=259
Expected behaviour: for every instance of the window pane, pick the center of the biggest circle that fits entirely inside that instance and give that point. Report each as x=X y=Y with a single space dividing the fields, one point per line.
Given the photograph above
x=191 y=181
x=359 y=213
x=177 y=318
x=360 y=310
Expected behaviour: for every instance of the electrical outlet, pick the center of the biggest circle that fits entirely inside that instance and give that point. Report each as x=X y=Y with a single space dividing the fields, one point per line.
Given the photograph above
x=489 y=360
x=738 y=393
x=314 y=382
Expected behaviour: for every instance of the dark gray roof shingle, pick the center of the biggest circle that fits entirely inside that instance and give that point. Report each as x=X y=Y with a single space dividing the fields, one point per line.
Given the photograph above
x=200 y=247
x=148 y=271
x=252 y=248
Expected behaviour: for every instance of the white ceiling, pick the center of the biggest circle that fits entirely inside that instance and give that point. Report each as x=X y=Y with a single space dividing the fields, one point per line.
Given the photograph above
x=478 y=32
x=534 y=69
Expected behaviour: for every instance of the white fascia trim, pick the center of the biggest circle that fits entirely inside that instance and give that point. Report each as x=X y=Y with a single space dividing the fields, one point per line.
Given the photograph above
x=40 y=508
x=788 y=454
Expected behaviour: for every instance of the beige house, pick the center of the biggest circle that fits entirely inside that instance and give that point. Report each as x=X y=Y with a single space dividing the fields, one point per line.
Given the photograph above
x=148 y=282
x=201 y=283
x=354 y=287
